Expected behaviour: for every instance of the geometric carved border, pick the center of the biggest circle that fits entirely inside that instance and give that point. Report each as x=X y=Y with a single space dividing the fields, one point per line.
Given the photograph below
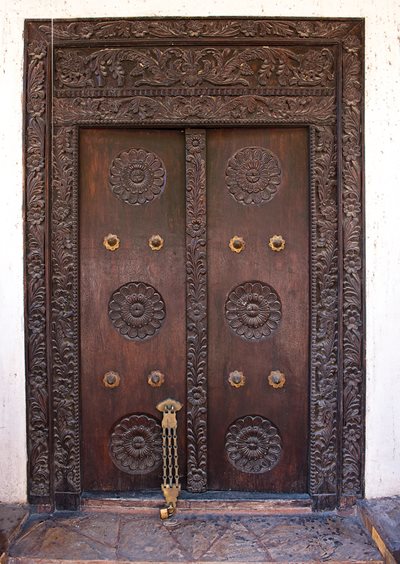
x=334 y=116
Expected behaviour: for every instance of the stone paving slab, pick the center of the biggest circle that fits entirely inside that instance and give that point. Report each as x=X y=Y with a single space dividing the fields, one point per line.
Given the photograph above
x=382 y=518
x=116 y=537
x=11 y=519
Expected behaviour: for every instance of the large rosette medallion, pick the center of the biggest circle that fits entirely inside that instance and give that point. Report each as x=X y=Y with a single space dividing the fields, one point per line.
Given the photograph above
x=253 y=310
x=137 y=176
x=253 y=175
x=137 y=311
x=136 y=444
x=253 y=444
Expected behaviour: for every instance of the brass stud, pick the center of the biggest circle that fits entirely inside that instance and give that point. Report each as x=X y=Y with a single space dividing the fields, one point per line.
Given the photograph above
x=237 y=244
x=111 y=242
x=277 y=243
x=155 y=379
x=276 y=379
x=156 y=242
x=111 y=379
x=237 y=379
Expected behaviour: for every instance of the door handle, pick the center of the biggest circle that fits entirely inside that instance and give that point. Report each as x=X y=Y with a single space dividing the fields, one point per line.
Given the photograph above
x=170 y=487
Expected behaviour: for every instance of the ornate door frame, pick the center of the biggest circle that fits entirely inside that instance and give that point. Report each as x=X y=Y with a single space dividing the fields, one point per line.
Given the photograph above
x=219 y=72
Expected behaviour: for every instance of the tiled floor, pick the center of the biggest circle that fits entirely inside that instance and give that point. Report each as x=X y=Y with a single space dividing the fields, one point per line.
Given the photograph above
x=124 y=537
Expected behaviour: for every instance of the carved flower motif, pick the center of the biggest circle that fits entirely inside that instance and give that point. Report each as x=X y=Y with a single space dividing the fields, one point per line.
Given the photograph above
x=253 y=175
x=197 y=480
x=196 y=312
x=197 y=396
x=253 y=310
x=196 y=226
x=135 y=444
x=197 y=142
x=253 y=444
x=352 y=208
x=137 y=176
x=136 y=310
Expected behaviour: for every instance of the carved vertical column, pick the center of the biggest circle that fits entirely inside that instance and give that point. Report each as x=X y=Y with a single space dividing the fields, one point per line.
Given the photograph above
x=353 y=298
x=196 y=276
x=324 y=307
x=35 y=204
x=65 y=318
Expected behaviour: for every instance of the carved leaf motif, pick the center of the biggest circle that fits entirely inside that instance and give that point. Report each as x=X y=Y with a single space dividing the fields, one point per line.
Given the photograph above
x=143 y=109
x=190 y=28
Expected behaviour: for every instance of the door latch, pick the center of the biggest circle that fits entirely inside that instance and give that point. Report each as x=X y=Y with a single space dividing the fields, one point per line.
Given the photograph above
x=170 y=487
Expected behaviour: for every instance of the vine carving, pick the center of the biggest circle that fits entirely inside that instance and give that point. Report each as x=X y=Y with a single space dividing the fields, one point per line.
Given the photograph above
x=194 y=67
x=64 y=333
x=324 y=297
x=194 y=109
x=196 y=276
x=37 y=391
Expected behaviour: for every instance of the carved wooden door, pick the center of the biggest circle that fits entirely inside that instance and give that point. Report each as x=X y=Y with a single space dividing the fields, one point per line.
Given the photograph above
x=145 y=254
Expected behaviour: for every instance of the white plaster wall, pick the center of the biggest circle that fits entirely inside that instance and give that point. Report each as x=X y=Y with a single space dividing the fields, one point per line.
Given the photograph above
x=382 y=211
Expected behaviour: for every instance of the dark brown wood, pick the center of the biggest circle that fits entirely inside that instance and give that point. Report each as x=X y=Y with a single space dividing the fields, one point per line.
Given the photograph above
x=273 y=73
x=102 y=272
x=286 y=348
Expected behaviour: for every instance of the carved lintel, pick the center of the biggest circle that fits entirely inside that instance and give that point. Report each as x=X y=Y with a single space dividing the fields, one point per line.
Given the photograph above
x=205 y=109
x=196 y=295
x=191 y=67
x=194 y=29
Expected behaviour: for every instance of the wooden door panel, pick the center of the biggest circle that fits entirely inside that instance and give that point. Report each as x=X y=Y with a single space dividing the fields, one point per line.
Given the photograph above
x=103 y=272
x=240 y=416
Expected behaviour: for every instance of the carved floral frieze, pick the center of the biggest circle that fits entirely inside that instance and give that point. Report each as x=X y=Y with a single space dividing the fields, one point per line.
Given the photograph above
x=195 y=67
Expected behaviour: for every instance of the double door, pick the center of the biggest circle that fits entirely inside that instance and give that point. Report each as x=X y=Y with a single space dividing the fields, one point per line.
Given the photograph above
x=194 y=285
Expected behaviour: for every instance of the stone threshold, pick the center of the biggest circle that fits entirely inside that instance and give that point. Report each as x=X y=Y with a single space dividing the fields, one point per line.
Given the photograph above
x=206 y=503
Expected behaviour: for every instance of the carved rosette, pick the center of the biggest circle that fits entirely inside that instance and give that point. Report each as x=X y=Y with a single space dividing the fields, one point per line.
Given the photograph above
x=136 y=444
x=137 y=176
x=253 y=310
x=137 y=311
x=37 y=391
x=196 y=295
x=253 y=444
x=253 y=175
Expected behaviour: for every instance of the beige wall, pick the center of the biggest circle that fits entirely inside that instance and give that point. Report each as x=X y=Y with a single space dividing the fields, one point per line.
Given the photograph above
x=382 y=211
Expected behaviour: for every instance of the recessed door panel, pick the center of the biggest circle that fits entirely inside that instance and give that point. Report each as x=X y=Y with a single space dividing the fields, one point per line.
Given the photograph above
x=257 y=181
x=132 y=273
